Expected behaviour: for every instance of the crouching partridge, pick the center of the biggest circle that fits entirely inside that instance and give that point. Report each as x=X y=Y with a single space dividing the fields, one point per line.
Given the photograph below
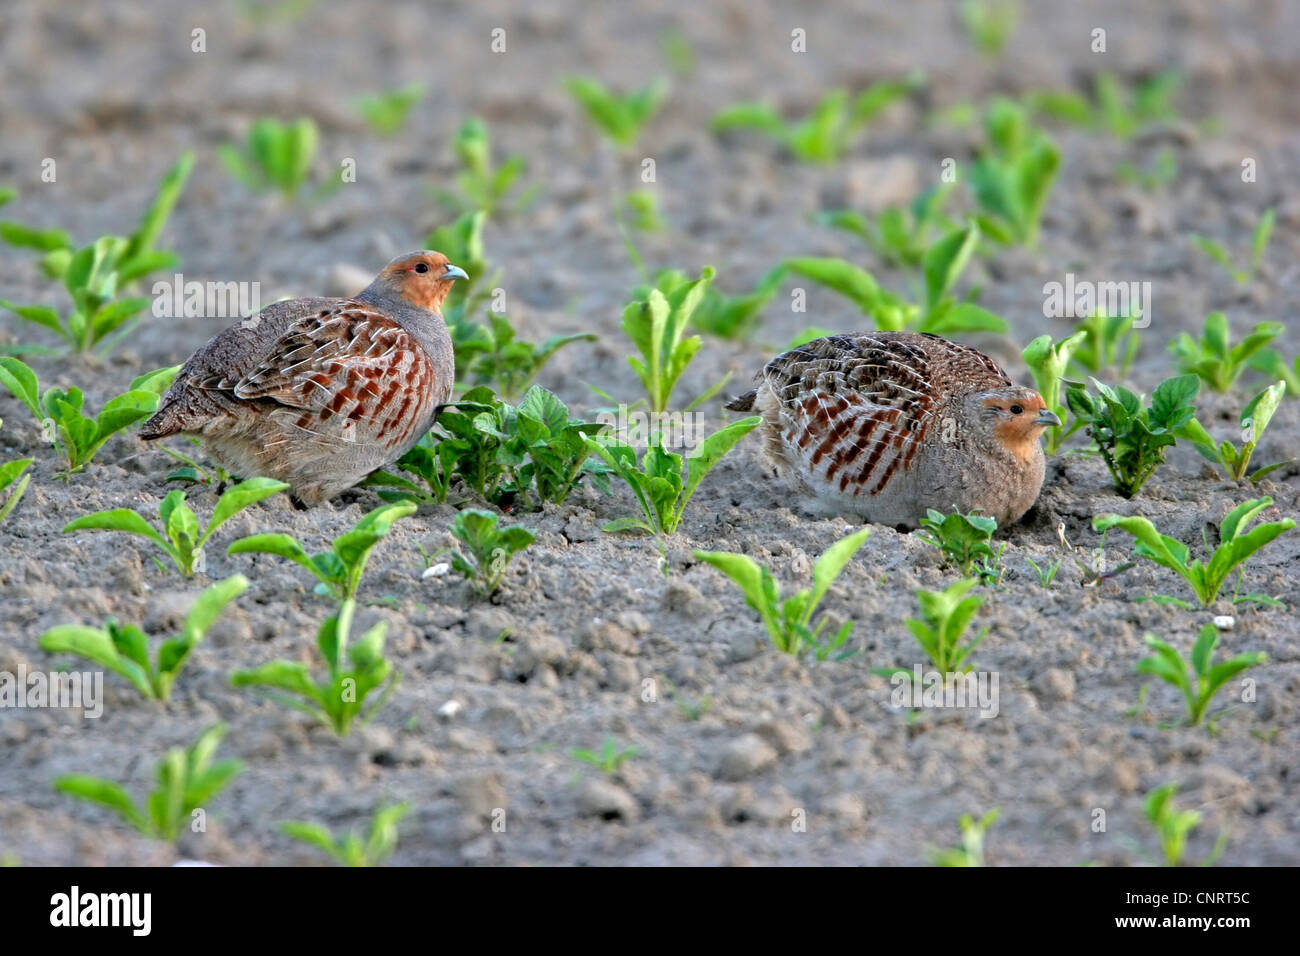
x=320 y=392
x=886 y=425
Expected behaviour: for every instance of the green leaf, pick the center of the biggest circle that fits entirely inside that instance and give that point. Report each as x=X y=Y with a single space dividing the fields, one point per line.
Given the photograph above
x=104 y=792
x=209 y=604
x=238 y=497
x=1241 y=516
x=118 y=519
x=283 y=675
x=757 y=116
x=856 y=284
x=741 y=569
x=21 y=380
x=312 y=833
x=1259 y=239
x=122 y=412
x=1203 y=650
x=40 y=314
x=965 y=317
x=627 y=524
x=945 y=261
x=46 y=240
x=157 y=381
x=97 y=646
x=701 y=461
x=832 y=563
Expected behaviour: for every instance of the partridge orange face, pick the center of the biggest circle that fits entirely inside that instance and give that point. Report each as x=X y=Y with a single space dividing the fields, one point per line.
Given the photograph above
x=423 y=279
x=1021 y=417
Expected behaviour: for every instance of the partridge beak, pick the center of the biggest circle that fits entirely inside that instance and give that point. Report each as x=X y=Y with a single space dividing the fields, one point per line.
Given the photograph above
x=1047 y=417
x=454 y=272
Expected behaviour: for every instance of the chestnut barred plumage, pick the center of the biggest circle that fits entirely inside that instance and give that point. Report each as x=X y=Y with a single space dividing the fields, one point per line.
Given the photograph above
x=321 y=392
x=889 y=424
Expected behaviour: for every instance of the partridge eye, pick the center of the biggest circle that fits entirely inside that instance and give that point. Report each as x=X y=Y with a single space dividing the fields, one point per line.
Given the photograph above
x=422 y=268
x=1017 y=409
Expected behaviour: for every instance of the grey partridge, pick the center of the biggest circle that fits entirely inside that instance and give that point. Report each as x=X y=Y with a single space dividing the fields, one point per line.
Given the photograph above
x=320 y=392
x=886 y=425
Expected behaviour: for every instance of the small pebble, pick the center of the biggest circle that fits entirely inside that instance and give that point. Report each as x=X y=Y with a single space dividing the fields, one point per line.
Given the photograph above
x=1224 y=622
x=435 y=570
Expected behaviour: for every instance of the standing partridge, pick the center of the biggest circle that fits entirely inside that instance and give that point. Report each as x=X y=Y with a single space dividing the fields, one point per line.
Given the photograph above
x=889 y=424
x=321 y=392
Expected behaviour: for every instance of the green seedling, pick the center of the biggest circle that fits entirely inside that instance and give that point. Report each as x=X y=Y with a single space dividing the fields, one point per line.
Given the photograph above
x=388 y=112
x=265 y=13
x=657 y=326
x=187 y=780
x=194 y=473
x=1048 y=362
x=1140 y=708
x=180 y=537
x=620 y=118
x=1096 y=573
x=124 y=648
x=826 y=133
x=940 y=314
x=658 y=483
x=1255 y=417
x=689 y=709
x=276 y=156
x=126 y=259
x=971 y=851
x=1107 y=340
x=353 y=673
x=75 y=437
x=1130 y=438
x=1205 y=678
x=1271 y=363
x=11 y=493
x=609 y=759
x=1119 y=111
x=512 y=456
x=945 y=615
x=989 y=24
x=1173 y=826
x=677 y=50
x=1159 y=173
x=352 y=850
x=339 y=569
x=1212 y=360
x=94 y=275
x=91 y=280
x=1046 y=575
x=1013 y=175
x=640 y=212
x=900 y=235
x=490 y=548
x=492 y=355
x=789 y=623
x=965 y=541
x=726 y=316
x=1207 y=578
x=1258 y=246
x=483 y=187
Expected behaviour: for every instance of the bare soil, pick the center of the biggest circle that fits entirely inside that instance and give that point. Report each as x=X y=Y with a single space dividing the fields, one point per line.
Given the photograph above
x=559 y=660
